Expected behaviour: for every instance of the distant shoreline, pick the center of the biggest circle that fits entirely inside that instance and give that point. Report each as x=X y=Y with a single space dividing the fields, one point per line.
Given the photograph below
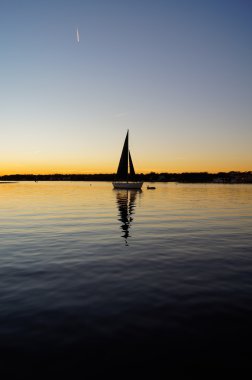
x=193 y=177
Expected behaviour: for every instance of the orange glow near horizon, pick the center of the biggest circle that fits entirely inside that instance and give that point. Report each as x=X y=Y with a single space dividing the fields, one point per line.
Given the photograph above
x=109 y=169
x=104 y=160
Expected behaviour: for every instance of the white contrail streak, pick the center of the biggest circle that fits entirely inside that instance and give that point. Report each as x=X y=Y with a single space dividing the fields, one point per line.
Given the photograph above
x=77 y=35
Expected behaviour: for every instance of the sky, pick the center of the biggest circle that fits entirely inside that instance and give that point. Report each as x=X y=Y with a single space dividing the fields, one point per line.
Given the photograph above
x=176 y=73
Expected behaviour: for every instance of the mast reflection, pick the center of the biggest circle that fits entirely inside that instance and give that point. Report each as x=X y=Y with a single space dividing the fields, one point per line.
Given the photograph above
x=126 y=204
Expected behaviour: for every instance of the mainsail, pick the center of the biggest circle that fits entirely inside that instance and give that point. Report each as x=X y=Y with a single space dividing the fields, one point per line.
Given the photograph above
x=122 y=171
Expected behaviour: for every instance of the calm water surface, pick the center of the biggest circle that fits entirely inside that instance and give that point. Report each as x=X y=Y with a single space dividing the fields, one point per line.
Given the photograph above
x=94 y=275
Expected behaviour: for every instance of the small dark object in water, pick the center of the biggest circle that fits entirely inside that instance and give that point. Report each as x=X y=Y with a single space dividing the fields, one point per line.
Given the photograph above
x=151 y=187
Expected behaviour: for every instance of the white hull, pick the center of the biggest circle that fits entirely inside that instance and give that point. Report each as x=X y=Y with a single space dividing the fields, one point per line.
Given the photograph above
x=127 y=185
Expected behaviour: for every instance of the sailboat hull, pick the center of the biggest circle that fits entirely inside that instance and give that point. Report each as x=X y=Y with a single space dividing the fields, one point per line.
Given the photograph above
x=127 y=185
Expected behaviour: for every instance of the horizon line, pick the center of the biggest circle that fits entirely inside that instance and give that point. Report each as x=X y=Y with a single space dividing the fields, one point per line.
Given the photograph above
x=114 y=173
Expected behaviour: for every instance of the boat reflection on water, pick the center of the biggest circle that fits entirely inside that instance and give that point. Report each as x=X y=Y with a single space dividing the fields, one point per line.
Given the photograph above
x=126 y=200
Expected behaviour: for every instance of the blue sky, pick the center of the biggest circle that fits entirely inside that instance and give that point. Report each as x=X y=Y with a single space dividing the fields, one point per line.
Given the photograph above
x=177 y=74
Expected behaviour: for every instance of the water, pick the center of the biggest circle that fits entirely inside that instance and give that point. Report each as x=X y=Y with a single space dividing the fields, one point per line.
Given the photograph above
x=94 y=277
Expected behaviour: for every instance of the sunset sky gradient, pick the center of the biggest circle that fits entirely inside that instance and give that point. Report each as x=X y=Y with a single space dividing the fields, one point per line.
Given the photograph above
x=176 y=73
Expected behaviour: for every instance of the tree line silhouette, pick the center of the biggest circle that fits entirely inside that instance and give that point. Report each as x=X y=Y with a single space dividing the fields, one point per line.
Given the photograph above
x=191 y=177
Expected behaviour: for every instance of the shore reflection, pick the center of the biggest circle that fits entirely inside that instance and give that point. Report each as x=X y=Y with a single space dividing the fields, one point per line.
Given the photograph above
x=126 y=200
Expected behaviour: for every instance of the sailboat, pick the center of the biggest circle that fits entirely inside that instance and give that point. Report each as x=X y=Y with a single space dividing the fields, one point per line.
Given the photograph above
x=125 y=177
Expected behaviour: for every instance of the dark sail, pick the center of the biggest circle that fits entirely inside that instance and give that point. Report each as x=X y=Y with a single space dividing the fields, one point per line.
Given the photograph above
x=132 y=170
x=122 y=171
